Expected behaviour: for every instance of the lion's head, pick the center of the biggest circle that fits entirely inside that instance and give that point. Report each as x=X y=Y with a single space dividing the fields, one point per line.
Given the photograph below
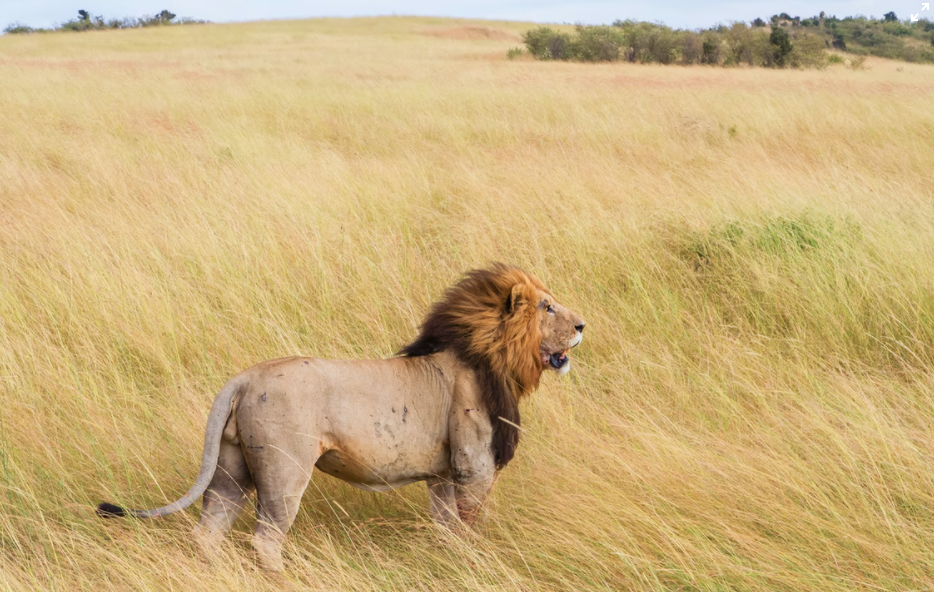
x=507 y=327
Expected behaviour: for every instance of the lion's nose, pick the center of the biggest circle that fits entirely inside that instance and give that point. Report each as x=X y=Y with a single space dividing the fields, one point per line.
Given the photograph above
x=580 y=327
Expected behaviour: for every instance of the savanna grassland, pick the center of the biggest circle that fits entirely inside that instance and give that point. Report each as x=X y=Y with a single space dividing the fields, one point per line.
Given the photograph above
x=752 y=407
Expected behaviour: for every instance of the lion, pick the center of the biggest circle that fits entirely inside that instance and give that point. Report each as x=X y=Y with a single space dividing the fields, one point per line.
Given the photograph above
x=444 y=410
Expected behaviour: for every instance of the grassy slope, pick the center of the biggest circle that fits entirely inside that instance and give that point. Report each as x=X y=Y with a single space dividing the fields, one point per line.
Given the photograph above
x=753 y=250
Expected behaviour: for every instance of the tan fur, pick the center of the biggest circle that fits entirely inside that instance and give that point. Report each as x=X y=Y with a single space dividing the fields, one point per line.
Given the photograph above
x=444 y=412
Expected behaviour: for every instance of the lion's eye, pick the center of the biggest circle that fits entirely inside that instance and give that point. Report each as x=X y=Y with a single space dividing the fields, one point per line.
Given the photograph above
x=550 y=309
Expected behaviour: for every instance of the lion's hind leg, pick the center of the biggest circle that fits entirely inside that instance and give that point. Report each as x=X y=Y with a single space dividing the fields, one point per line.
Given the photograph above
x=224 y=499
x=280 y=483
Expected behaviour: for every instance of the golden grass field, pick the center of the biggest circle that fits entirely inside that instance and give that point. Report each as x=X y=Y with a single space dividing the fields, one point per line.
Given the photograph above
x=752 y=407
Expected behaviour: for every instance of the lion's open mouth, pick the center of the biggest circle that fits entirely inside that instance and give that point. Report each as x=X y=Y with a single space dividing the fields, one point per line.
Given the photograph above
x=559 y=359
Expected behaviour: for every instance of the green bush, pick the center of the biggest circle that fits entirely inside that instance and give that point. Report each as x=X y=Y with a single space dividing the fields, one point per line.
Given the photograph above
x=596 y=44
x=545 y=43
x=20 y=29
x=710 y=50
x=762 y=51
x=738 y=44
x=781 y=46
x=692 y=48
x=857 y=63
x=808 y=52
x=635 y=39
x=663 y=45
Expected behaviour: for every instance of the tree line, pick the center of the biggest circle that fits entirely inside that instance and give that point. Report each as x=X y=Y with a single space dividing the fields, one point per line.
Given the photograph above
x=87 y=22
x=783 y=41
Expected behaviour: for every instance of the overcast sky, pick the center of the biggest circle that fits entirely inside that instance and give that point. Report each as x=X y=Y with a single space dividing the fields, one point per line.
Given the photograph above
x=676 y=13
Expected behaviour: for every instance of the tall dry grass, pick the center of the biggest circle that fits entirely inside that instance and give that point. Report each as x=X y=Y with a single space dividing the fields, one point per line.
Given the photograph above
x=753 y=251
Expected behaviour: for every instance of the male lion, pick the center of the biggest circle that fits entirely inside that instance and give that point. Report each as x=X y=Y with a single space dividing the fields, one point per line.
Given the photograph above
x=444 y=411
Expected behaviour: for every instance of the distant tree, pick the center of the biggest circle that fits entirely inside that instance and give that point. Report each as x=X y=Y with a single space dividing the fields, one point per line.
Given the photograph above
x=710 y=51
x=890 y=17
x=758 y=23
x=691 y=48
x=19 y=29
x=781 y=45
x=87 y=22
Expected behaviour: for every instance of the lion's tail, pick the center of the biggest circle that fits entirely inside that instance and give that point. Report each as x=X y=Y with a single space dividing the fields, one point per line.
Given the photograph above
x=217 y=419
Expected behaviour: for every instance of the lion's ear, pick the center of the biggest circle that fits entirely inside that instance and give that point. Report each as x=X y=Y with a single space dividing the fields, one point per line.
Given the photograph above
x=516 y=299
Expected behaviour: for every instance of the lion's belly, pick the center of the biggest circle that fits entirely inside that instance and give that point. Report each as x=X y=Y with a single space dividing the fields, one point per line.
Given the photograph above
x=375 y=424
x=394 y=471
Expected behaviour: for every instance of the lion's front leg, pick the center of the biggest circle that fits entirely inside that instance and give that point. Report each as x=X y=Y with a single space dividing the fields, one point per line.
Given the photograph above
x=442 y=502
x=451 y=503
x=473 y=467
x=469 y=495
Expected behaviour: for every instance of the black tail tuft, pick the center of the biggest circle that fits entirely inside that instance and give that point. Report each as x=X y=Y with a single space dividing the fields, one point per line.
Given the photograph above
x=106 y=510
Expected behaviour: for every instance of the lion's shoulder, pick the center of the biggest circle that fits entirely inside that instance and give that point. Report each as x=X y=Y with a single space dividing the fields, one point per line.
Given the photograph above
x=489 y=322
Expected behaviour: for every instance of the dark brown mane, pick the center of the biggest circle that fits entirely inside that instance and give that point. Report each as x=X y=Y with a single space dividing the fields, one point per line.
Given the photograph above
x=489 y=321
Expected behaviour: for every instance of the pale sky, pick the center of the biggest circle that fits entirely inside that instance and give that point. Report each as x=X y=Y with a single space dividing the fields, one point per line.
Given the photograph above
x=676 y=13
